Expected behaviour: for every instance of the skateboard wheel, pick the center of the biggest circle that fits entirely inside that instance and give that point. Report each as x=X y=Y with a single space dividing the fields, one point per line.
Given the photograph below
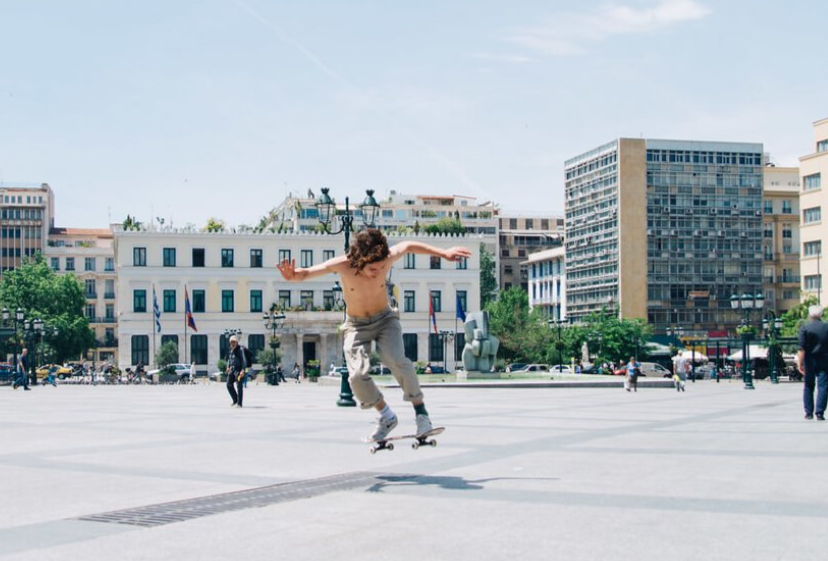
x=390 y=446
x=373 y=450
x=433 y=443
x=415 y=445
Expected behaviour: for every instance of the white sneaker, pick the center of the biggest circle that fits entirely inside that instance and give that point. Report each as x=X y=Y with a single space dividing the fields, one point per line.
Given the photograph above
x=384 y=426
x=423 y=424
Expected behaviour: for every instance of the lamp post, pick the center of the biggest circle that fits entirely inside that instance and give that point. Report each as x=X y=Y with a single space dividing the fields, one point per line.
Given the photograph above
x=559 y=343
x=274 y=320
x=748 y=303
x=346 y=396
x=326 y=211
x=446 y=337
x=31 y=332
x=772 y=325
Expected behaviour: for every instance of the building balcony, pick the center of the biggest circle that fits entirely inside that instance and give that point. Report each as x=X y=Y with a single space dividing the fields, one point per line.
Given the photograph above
x=106 y=343
x=789 y=280
x=91 y=295
x=109 y=295
x=103 y=320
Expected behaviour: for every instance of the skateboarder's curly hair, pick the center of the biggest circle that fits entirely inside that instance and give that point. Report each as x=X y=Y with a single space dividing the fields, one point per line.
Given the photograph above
x=369 y=247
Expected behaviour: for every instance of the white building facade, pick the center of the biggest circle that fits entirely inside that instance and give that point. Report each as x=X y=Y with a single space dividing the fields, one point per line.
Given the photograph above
x=231 y=280
x=547 y=282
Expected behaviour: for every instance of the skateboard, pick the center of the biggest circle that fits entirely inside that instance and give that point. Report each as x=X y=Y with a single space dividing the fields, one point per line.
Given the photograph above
x=419 y=440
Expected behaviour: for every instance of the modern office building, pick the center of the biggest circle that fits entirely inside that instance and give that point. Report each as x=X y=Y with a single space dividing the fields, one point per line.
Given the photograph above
x=231 y=281
x=664 y=230
x=547 y=282
x=26 y=215
x=780 y=238
x=813 y=231
x=89 y=254
x=521 y=236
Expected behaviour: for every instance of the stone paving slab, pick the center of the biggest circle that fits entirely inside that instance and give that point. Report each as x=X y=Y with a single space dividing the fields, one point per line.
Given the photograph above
x=717 y=472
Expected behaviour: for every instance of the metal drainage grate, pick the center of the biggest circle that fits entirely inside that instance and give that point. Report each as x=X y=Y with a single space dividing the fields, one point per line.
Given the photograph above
x=179 y=511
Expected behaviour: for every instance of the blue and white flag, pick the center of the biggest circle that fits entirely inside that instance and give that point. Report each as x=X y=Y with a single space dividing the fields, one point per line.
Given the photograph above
x=156 y=310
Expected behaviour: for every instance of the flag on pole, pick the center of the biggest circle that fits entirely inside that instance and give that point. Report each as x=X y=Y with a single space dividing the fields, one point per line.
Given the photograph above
x=431 y=313
x=156 y=310
x=188 y=312
x=461 y=313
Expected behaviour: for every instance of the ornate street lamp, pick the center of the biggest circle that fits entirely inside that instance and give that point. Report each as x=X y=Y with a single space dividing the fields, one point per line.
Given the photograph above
x=748 y=303
x=346 y=395
x=326 y=209
x=274 y=320
x=559 y=343
x=772 y=325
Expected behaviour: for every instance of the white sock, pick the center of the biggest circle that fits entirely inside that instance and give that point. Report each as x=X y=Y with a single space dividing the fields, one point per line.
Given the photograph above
x=387 y=414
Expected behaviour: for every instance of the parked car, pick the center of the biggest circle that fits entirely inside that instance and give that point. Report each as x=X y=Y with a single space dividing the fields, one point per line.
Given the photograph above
x=561 y=369
x=182 y=371
x=589 y=369
x=380 y=369
x=534 y=368
x=515 y=366
x=338 y=371
x=654 y=369
x=6 y=372
x=62 y=372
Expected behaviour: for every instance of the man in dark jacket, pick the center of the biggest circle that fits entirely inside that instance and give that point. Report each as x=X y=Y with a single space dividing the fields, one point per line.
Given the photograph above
x=812 y=360
x=22 y=370
x=235 y=372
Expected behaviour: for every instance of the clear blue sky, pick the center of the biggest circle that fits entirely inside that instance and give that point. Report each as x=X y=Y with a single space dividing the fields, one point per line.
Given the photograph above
x=189 y=109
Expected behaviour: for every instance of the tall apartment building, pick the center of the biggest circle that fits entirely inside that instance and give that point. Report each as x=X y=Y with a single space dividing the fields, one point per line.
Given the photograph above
x=26 y=215
x=89 y=254
x=521 y=236
x=547 y=282
x=231 y=281
x=811 y=200
x=780 y=238
x=664 y=230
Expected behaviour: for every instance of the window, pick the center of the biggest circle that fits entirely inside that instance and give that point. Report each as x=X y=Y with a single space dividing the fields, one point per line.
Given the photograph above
x=226 y=257
x=435 y=347
x=813 y=248
x=767 y=230
x=306 y=258
x=110 y=312
x=306 y=298
x=198 y=301
x=437 y=300
x=811 y=215
x=810 y=182
x=109 y=288
x=787 y=231
x=109 y=265
x=284 y=299
x=198 y=349
x=463 y=300
x=813 y=282
x=767 y=208
x=169 y=339
x=410 y=346
x=256 y=343
x=140 y=349
x=409 y=301
x=255 y=300
x=410 y=261
x=89 y=312
x=327 y=299
x=435 y=262
x=822 y=146
x=90 y=289
x=169 y=300
x=255 y=258
x=328 y=254
x=198 y=257
x=544 y=223
x=89 y=264
x=530 y=223
x=139 y=301
x=284 y=255
x=227 y=302
x=786 y=207
x=513 y=223
x=56 y=263
x=463 y=263
x=70 y=263
x=139 y=257
x=169 y=256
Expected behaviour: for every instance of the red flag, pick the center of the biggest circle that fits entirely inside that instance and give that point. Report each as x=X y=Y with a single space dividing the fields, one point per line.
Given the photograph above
x=188 y=313
x=431 y=313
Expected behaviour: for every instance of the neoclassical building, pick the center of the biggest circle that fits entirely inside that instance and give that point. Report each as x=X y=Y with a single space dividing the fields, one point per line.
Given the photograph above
x=231 y=280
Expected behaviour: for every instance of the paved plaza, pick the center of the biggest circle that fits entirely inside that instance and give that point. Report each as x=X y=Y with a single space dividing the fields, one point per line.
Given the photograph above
x=718 y=472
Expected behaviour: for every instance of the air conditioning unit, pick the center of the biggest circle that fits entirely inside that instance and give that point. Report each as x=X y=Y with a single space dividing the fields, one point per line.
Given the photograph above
x=649 y=231
x=666 y=210
x=734 y=206
x=742 y=234
x=673 y=232
x=758 y=213
x=720 y=233
x=712 y=211
x=697 y=232
x=688 y=211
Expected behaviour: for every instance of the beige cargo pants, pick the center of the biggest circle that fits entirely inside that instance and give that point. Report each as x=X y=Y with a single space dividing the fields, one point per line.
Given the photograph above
x=385 y=329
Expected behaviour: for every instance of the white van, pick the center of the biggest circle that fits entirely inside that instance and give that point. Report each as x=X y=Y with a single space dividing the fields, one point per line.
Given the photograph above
x=654 y=369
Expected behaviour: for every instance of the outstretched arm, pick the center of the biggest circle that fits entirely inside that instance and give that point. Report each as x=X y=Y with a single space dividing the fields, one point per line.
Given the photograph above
x=291 y=273
x=451 y=254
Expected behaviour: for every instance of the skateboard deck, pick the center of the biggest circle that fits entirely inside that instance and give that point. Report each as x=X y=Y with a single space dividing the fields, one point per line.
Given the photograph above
x=419 y=440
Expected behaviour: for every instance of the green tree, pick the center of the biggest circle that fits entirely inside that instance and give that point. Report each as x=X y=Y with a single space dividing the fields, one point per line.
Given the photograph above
x=446 y=226
x=619 y=337
x=793 y=319
x=57 y=300
x=130 y=223
x=488 y=280
x=510 y=321
x=167 y=354
x=215 y=225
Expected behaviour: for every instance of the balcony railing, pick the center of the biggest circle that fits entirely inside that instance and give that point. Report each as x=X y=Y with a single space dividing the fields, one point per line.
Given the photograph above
x=109 y=295
x=103 y=320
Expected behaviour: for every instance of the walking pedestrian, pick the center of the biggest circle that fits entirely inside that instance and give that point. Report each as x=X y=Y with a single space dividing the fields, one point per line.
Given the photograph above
x=22 y=370
x=363 y=273
x=812 y=360
x=280 y=374
x=235 y=372
x=633 y=370
x=680 y=371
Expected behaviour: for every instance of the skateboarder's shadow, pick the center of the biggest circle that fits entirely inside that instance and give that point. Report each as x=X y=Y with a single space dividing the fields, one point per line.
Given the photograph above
x=442 y=481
